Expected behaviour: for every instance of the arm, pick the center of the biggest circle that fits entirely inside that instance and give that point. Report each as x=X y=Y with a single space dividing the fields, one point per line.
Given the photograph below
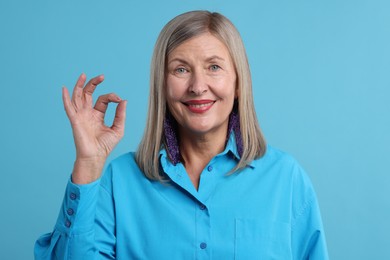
x=85 y=228
x=308 y=238
x=307 y=232
x=81 y=230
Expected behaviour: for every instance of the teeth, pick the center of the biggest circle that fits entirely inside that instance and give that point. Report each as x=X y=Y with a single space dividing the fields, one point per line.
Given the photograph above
x=200 y=105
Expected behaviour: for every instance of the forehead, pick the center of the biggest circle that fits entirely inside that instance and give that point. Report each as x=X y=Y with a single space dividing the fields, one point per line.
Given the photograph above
x=201 y=46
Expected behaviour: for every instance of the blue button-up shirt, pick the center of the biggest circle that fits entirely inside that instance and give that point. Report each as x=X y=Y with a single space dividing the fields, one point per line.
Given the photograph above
x=268 y=210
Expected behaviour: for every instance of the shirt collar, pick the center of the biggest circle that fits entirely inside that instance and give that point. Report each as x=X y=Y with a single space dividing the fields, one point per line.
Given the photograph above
x=230 y=148
x=233 y=147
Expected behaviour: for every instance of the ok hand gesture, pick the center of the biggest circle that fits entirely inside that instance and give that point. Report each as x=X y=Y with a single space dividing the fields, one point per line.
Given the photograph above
x=93 y=139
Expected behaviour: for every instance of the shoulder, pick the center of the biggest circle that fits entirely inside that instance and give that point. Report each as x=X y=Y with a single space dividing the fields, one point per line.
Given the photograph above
x=122 y=169
x=124 y=160
x=275 y=157
x=281 y=165
x=292 y=176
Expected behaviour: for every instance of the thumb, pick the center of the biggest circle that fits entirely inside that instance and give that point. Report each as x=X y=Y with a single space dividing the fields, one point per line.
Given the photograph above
x=69 y=109
x=120 y=118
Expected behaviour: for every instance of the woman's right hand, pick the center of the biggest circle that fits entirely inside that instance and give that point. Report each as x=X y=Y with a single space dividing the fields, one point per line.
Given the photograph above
x=93 y=139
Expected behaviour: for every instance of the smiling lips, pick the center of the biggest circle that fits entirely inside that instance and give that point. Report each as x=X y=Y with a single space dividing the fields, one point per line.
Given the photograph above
x=199 y=106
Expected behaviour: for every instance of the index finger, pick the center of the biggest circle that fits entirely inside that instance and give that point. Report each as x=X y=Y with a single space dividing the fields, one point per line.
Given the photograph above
x=92 y=84
x=78 y=89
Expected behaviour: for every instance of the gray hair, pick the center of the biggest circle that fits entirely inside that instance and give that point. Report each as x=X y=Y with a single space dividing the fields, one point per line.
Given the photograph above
x=175 y=32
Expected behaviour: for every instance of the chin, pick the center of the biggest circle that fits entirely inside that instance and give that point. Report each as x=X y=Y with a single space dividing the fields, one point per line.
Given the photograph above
x=202 y=130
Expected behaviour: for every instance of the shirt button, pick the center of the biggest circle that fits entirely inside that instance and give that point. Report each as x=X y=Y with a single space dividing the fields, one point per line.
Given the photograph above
x=72 y=196
x=210 y=168
x=202 y=207
x=70 y=211
x=203 y=245
x=67 y=223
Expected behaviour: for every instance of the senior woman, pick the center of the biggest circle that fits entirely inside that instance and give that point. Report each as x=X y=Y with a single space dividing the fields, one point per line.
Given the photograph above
x=203 y=184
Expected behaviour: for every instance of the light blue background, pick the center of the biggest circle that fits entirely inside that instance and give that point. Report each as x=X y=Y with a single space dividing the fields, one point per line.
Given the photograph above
x=321 y=73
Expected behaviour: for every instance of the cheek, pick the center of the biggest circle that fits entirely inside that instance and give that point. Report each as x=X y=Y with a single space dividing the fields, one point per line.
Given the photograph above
x=172 y=96
x=227 y=87
x=169 y=93
x=229 y=91
x=174 y=89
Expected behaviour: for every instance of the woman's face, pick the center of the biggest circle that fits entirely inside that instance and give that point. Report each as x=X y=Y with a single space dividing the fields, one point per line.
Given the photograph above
x=201 y=85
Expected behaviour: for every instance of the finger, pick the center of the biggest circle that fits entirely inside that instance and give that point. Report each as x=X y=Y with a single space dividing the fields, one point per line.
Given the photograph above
x=92 y=84
x=78 y=90
x=103 y=101
x=120 y=118
x=90 y=88
x=69 y=109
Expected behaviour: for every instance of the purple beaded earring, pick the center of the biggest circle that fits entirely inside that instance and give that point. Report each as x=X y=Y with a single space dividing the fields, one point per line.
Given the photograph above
x=171 y=139
x=234 y=125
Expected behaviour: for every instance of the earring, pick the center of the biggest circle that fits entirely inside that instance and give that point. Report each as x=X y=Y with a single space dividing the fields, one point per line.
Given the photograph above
x=170 y=138
x=234 y=125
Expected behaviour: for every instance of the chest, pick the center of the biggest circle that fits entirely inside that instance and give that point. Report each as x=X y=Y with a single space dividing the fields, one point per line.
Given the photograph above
x=235 y=218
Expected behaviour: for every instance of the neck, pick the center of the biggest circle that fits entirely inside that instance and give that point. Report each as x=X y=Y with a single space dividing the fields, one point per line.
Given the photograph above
x=198 y=149
x=201 y=147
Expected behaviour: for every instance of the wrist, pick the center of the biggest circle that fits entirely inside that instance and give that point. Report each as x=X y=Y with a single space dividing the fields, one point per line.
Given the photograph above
x=87 y=170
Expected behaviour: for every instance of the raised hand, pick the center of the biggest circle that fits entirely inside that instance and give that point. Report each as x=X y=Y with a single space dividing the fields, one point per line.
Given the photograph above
x=93 y=139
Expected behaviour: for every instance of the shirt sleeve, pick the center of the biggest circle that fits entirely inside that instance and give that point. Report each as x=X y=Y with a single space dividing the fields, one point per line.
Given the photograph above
x=307 y=232
x=85 y=225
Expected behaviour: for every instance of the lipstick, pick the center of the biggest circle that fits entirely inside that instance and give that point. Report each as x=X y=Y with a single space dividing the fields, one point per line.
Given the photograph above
x=199 y=106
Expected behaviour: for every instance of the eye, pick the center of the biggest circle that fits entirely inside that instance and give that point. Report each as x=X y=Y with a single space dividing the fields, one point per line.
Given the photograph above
x=181 y=70
x=215 y=67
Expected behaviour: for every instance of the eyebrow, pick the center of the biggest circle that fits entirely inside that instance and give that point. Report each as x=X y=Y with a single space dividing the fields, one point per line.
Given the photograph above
x=209 y=59
x=178 y=60
x=215 y=57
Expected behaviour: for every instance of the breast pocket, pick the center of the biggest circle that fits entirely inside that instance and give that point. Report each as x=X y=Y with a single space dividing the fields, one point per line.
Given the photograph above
x=256 y=239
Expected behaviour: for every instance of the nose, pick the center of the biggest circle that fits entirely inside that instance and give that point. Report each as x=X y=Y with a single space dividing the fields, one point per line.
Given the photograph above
x=198 y=83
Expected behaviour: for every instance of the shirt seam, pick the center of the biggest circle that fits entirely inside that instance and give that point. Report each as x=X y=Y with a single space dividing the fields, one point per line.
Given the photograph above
x=301 y=212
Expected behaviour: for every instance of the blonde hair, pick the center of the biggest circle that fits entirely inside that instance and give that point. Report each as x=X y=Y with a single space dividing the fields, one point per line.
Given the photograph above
x=175 y=32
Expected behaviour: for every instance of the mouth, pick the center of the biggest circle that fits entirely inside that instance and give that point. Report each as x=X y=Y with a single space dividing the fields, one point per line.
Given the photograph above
x=199 y=106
